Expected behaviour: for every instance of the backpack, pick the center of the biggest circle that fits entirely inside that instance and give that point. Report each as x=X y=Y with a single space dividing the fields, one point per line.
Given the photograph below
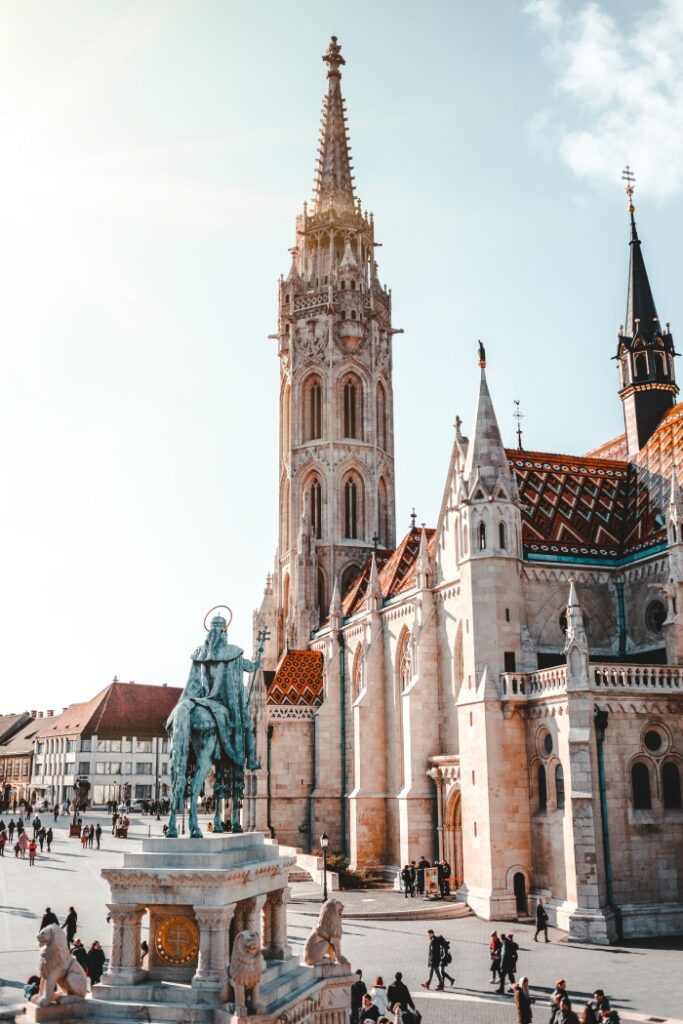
x=446 y=957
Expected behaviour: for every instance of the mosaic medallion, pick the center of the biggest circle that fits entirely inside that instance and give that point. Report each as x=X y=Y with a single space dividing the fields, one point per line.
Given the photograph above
x=177 y=941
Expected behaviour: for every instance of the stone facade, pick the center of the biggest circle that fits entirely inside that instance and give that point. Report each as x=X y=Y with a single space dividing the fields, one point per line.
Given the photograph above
x=463 y=670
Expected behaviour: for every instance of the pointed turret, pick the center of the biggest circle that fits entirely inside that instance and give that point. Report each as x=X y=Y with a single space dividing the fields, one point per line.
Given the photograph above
x=645 y=351
x=334 y=181
x=486 y=464
x=422 y=569
x=374 y=595
x=576 y=644
x=335 y=607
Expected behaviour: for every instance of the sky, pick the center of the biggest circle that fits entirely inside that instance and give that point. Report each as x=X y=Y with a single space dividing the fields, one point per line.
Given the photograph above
x=153 y=157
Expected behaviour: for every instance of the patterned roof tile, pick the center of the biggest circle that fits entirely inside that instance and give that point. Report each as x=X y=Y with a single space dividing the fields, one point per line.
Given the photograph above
x=298 y=680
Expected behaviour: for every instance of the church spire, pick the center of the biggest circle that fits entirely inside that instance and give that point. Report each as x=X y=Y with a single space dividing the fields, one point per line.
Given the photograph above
x=334 y=182
x=486 y=463
x=645 y=351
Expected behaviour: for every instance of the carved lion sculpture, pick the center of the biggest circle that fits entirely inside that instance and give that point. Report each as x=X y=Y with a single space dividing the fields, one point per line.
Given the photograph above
x=245 y=971
x=58 y=968
x=325 y=939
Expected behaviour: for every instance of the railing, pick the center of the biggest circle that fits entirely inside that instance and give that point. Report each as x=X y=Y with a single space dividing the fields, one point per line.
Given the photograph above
x=526 y=686
x=637 y=677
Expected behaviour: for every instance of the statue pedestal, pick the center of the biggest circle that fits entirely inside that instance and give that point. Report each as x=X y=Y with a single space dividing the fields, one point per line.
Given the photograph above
x=196 y=896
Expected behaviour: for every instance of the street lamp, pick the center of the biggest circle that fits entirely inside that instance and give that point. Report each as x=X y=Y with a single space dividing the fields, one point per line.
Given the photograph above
x=324 y=843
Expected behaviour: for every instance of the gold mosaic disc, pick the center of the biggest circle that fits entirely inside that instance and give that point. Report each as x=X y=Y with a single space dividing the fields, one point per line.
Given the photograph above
x=177 y=941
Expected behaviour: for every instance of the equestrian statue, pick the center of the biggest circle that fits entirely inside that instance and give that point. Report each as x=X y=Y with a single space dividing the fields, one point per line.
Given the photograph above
x=210 y=727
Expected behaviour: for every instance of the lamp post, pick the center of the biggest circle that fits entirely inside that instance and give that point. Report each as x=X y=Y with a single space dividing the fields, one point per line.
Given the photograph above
x=324 y=843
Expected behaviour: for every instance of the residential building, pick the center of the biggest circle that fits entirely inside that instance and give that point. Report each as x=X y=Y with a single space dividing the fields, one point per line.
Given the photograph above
x=16 y=760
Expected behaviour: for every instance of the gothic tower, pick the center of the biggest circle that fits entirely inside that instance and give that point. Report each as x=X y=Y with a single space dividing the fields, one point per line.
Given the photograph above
x=645 y=351
x=336 y=401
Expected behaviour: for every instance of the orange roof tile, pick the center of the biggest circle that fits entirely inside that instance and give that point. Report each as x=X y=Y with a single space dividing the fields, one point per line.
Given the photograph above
x=298 y=680
x=121 y=709
x=396 y=571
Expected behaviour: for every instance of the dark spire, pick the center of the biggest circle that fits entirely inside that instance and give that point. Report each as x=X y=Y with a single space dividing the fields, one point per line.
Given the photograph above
x=641 y=313
x=334 y=181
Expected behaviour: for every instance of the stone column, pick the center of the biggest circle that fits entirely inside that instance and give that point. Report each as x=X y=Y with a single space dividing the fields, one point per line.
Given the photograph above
x=212 y=968
x=277 y=948
x=125 y=961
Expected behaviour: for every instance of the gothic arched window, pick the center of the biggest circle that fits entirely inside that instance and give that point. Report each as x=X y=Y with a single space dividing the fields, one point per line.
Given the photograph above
x=501 y=536
x=559 y=787
x=348 y=577
x=357 y=673
x=353 y=506
x=640 y=366
x=640 y=784
x=322 y=592
x=381 y=400
x=405 y=662
x=315 y=507
x=353 y=407
x=481 y=534
x=286 y=403
x=284 y=514
x=313 y=409
x=671 y=786
x=542 y=788
x=382 y=514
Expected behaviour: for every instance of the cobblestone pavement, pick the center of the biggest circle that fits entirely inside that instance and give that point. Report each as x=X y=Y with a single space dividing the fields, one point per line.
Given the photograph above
x=644 y=979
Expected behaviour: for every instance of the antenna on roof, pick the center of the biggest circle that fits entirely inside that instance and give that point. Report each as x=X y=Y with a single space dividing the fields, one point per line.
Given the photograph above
x=518 y=415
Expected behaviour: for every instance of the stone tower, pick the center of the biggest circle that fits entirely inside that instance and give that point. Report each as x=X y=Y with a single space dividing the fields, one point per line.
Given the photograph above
x=336 y=487
x=645 y=353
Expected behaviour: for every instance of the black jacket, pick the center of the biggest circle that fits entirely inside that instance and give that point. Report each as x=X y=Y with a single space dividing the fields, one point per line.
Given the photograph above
x=95 y=960
x=48 y=919
x=541 y=916
x=434 y=953
x=358 y=990
x=81 y=954
x=398 y=992
x=372 y=1013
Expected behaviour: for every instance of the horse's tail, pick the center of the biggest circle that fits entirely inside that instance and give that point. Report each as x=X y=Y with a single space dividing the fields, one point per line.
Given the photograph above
x=180 y=732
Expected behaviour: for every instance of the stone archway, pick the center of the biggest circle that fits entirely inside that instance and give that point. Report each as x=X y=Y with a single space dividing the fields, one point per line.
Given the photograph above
x=452 y=836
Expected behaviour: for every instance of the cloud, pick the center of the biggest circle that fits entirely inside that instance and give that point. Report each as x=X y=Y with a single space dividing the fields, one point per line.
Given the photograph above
x=618 y=92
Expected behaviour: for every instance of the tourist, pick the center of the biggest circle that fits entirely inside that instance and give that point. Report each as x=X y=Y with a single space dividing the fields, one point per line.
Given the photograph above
x=559 y=993
x=85 y=835
x=10 y=829
x=3 y=842
x=49 y=838
x=42 y=832
x=445 y=878
x=32 y=986
x=368 y=1010
x=541 y=921
x=422 y=864
x=508 y=962
x=406 y=877
x=114 y=819
x=32 y=849
x=398 y=992
x=79 y=951
x=358 y=990
x=523 y=1001
x=565 y=1014
x=48 y=918
x=434 y=961
x=413 y=878
x=22 y=843
x=494 y=953
x=589 y=1015
x=95 y=961
x=601 y=1002
x=446 y=959
x=71 y=925
x=608 y=1016
x=98 y=834
x=379 y=996
x=56 y=812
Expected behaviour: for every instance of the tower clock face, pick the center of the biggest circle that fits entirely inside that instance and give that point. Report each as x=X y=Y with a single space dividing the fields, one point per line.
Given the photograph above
x=177 y=941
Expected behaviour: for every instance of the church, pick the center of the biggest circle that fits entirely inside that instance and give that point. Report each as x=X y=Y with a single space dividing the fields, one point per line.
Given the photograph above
x=503 y=689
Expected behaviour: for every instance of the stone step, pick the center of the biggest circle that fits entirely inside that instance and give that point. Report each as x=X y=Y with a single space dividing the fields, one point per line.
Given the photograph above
x=217 y=859
x=213 y=843
x=146 y=992
x=282 y=988
x=160 y=1013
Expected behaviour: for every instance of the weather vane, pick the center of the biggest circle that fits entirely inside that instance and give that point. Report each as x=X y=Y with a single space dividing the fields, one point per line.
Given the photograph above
x=518 y=415
x=629 y=177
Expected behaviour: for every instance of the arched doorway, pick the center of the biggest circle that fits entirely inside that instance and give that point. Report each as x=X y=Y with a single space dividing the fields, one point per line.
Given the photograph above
x=452 y=837
x=519 y=887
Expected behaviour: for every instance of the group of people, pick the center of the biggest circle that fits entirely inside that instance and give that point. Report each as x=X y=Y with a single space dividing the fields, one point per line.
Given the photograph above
x=91 y=960
x=24 y=845
x=91 y=835
x=595 y=1011
x=413 y=877
x=383 y=1005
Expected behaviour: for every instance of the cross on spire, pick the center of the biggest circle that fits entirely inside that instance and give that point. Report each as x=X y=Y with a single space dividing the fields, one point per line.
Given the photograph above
x=333 y=57
x=518 y=415
x=629 y=177
x=413 y=519
x=334 y=180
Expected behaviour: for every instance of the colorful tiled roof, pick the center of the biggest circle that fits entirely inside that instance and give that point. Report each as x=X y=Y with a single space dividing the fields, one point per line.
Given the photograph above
x=298 y=680
x=396 y=572
x=121 y=709
x=614 y=449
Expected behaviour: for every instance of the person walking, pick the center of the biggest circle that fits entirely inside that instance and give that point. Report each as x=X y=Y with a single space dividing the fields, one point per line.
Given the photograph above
x=589 y=1015
x=565 y=1014
x=71 y=925
x=368 y=1010
x=3 y=842
x=42 y=832
x=358 y=990
x=48 y=918
x=601 y=1002
x=79 y=951
x=49 y=838
x=433 y=962
x=446 y=959
x=10 y=828
x=98 y=834
x=559 y=993
x=114 y=819
x=508 y=962
x=23 y=845
x=32 y=847
x=56 y=812
x=91 y=836
x=541 y=921
x=398 y=992
x=95 y=960
x=494 y=954
x=379 y=996
x=407 y=883
x=523 y=1001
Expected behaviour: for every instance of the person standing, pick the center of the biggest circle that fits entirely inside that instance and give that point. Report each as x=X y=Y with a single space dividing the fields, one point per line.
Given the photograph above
x=95 y=962
x=56 y=812
x=23 y=844
x=523 y=1001
x=422 y=864
x=559 y=993
x=433 y=961
x=413 y=878
x=42 y=832
x=32 y=848
x=565 y=1014
x=71 y=925
x=49 y=837
x=601 y=1002
x=368 y=1010
x=79 y=951
x=3 y=841
x=494 y=953
x=10 y=828
x=98 y=834
x=398 y=992
x=91 y=836
x=48 y=918
x=541 y=921
x=378 y=993
x=358 y=990
x=406 y=878
x=446 y=874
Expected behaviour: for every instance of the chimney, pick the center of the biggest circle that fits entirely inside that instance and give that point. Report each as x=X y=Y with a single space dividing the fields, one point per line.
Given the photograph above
x=49 y=714
x=39 y=715
x=33 y=714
